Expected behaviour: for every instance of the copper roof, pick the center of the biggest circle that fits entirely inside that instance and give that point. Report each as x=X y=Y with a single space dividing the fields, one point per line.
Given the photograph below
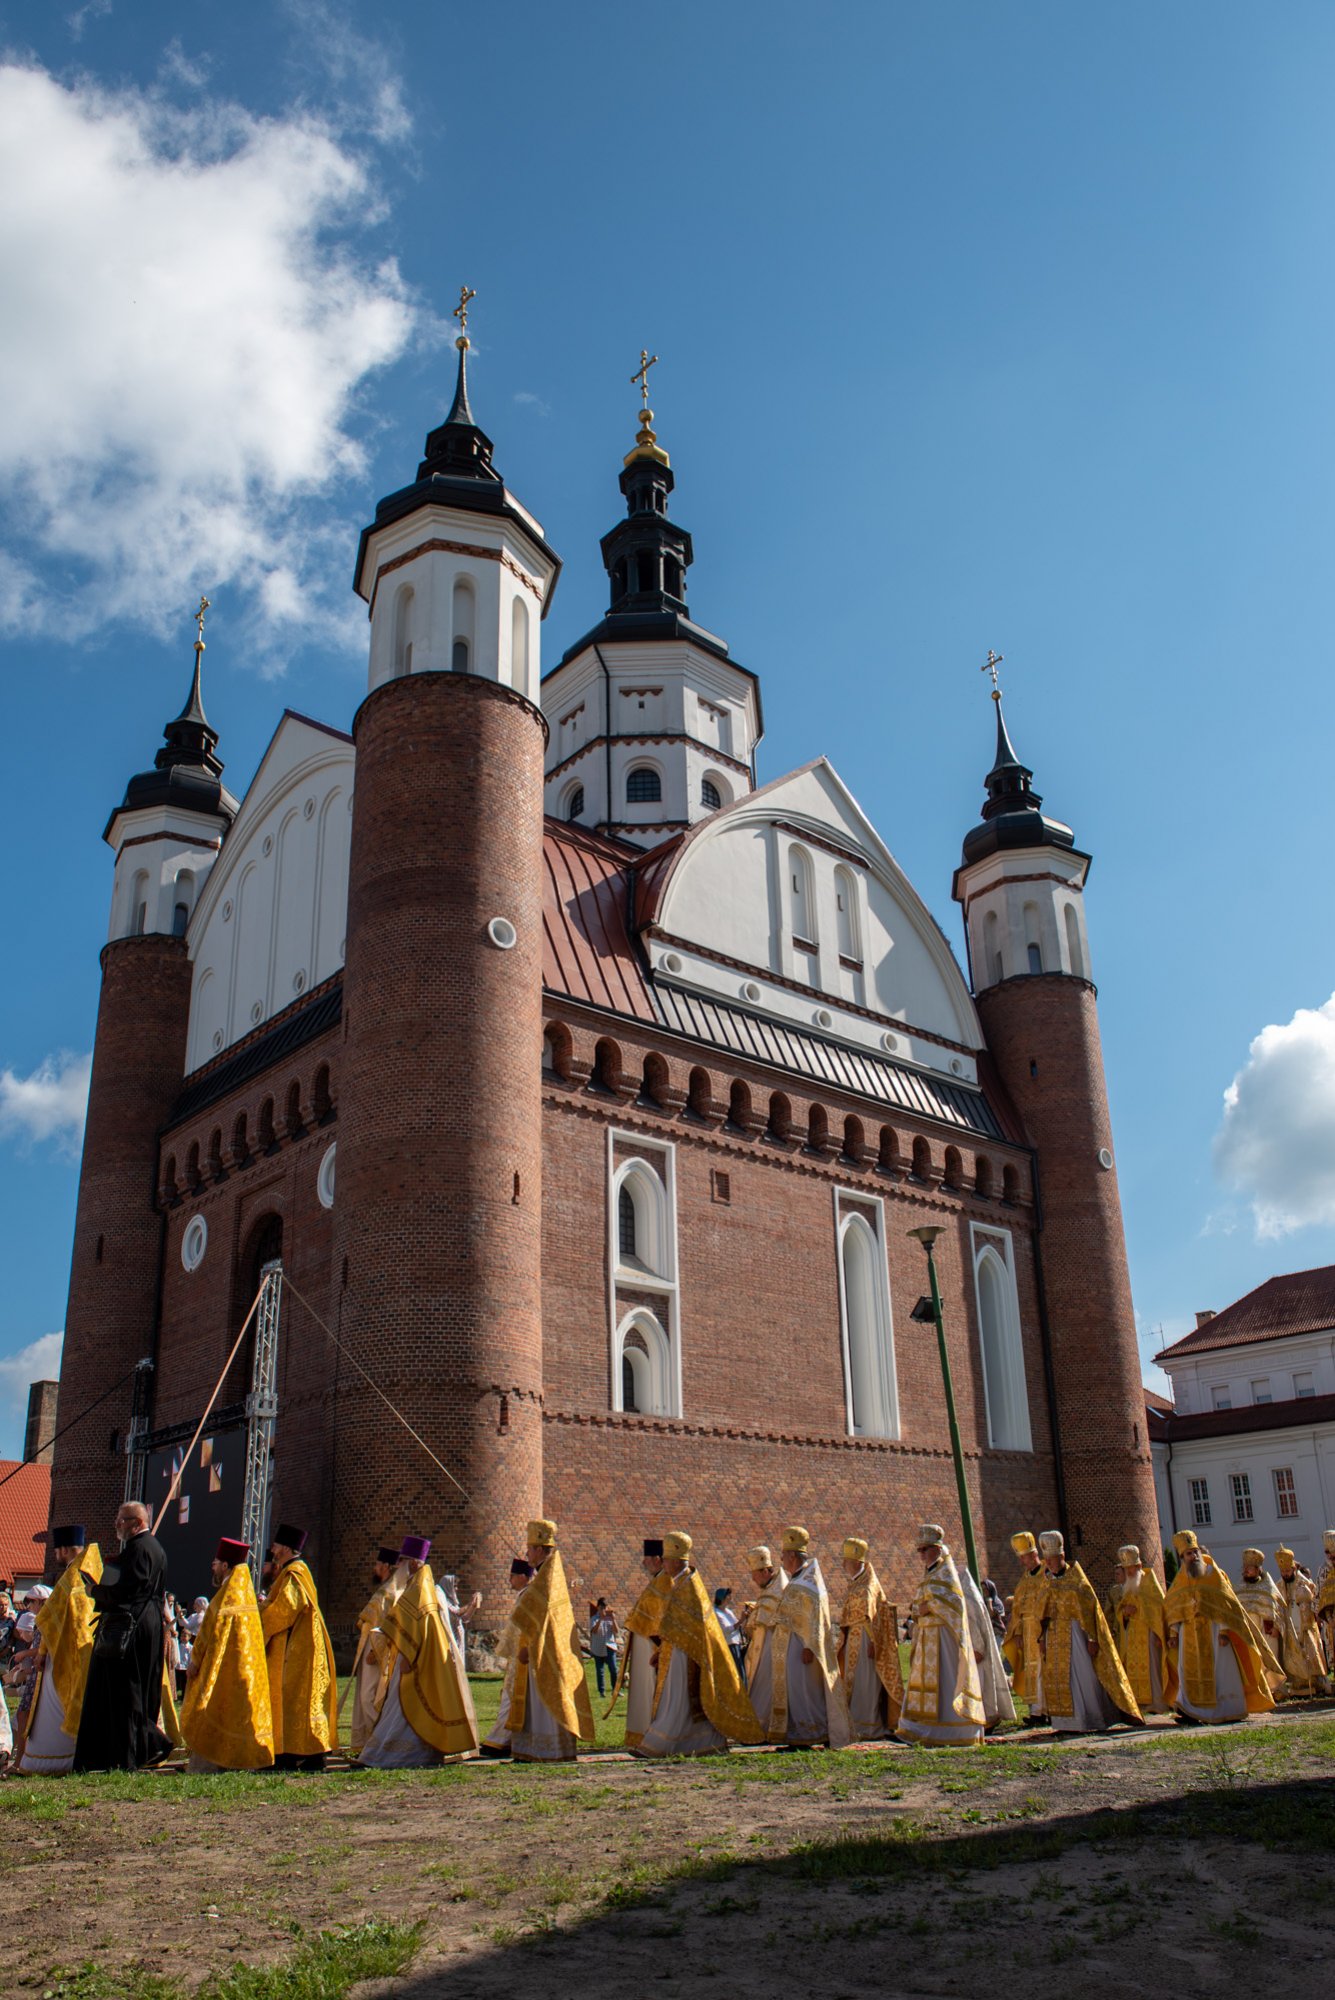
x=25 y=1503
x=1298 y=1302
x=586 y=948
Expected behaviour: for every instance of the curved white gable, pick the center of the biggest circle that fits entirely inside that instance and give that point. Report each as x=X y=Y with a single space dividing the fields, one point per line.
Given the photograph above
x=798 y=864
x=272 y=921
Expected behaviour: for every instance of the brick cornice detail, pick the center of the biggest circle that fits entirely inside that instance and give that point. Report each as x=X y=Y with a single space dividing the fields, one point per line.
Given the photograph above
x=264 y=1028
x=480 y=688
x=438 y=546
x=810 y=839
x=175 y=947
x=1039 y=979
x=189 y=839
x=1004 y=882
x=710 y=750
x=615 y=1420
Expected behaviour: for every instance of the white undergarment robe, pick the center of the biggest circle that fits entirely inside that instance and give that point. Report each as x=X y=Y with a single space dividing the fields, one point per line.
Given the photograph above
x=48 y=1752
x=760 y=1670
x=1230 y=1700
x=867 y=1709
x=675 y=1732
x=640 y=1700
x=394 y=1744
x=807 y=1719
x=1093 y=1708
x=542 y=1740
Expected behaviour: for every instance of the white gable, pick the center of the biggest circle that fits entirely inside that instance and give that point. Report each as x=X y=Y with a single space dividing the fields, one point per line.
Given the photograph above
x=793 y=882
x=272 y=921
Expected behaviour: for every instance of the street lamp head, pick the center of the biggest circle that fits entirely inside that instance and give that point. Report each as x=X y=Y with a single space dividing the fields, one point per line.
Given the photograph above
x=924 y=1313
x=927 y=1235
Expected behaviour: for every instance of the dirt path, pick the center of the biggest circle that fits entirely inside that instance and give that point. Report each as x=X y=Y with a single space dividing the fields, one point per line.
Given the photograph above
x=1137 y=1862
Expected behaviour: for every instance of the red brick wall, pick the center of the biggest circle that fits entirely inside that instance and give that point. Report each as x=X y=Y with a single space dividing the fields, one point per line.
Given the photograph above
x=138 y=1058
x=1043 y=1032
x=438 y=1213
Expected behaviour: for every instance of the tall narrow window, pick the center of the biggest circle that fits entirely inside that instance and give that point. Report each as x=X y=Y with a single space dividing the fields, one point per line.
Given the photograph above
x=1240 y=1489
x=992 y=968
x=1286 y=1493
x=1073 y=951
x=180 y=918
x=519 y=645
x=1200 y=1502
x=629 y=1401
x=1032 y=945
x=1000 y=1338
x=802 y=896
x=709 y=795
x=461 y=627
x=865 y=1299
x=626 y=1222
x=575 y=803
x=403 y=631
x=846 y=913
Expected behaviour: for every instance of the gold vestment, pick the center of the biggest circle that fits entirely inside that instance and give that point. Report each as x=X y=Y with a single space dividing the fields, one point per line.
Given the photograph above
x=1070 y=1601
x=65 y=1623
x=1197 y=1604
x=226 y=1716
x=433 y=1691
x=643 y=1621
x=688 y=1625
x=868 y=1618
x=804 y=1614
x=1138 y=1623
x=939 y=1609
x=1023 y=1643
x=543 y=1624
x=303 y=1690
x=1303 y=1664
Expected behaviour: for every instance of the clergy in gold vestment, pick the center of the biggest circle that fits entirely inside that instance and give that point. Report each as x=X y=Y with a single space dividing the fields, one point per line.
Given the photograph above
x=65 y=1627
x=1304 y=1668
x=1222 y=1660
x=1325 y=1600
x=226 y=1718
x=370 y=1672
x=1138 y=1628
x=1022 y=1646
x=1085 y=1686
x=427 y=1709
x=762 y=1620
x=943 y=1701
x=549 y=1702
x=499 y=1738
x=638 y=1673
x=998 y=1702
x=303 y=1689
x=1259 y=1595
x=868 y=1649
x=807 y=1707
x=699 y=1700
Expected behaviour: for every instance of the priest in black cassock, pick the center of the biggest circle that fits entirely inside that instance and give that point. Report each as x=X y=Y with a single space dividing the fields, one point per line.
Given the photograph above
x=118 y=1729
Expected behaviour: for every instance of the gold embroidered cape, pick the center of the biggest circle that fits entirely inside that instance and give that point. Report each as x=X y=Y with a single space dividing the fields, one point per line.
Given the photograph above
x=1023 y=1643
x=869 y=1619
x=433 y=1690
x=939 y=1607
x=1139 y=1620
x=688 y=1625
x=643 y=1620
x=1070 y=1601
x=1303 y=1664
x=762 y=1621
x=226 y=1715
x=544 y=1623
x=303 y=1689
x=804 y=1613
x=1325 y=1589
x=65 y=1623
x=1197 y=1604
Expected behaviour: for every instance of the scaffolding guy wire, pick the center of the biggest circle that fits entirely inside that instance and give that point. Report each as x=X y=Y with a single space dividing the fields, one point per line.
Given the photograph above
x=175 y=1486
x=71 y=1424
x=373 y=1384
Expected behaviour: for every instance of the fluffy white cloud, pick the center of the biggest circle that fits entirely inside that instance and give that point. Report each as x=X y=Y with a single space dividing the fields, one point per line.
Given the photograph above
x=49 y=1104
x=185 y=325
x=1276 y=1145
x=39 y=1361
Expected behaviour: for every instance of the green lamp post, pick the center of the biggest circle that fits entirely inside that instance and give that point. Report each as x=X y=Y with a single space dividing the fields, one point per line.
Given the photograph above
x=927 y=1236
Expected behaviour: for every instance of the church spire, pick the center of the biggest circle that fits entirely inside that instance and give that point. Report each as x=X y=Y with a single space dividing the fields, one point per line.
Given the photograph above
x=645 y=555
x=187 y=770
x=459 y=448
x=1012 y=813
x=191 y=739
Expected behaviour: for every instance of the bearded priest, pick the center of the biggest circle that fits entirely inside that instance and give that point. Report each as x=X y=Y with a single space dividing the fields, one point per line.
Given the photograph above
x=943 y=1701
x=762 y=1618
x=65 y=1627
x=699 y=1700
x=226 y=1716
x=1139 y=1631
x=1223 y=1664
x=1259 y=1596
x=1023 y=1643
x=637 y=1661
x=1084 y=1683
x=303 y=1687
x=1304 y=1668
x=807 y=1707
x=370 y=1673
x=427 y=1710
x=549 y=1703
x=868 y=1649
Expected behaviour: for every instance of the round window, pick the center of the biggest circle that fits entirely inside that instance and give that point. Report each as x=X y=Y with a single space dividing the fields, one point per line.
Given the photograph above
x=823 y=1018
x=750 y=991
x=890 y=1042
x=194 y=1242
x=1105 y=1158
x=502 y=933
x=324 y=1183
x=671 y=963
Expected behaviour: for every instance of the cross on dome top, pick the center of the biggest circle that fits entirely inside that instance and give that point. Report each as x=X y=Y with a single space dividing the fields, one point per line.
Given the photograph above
x=466 y=297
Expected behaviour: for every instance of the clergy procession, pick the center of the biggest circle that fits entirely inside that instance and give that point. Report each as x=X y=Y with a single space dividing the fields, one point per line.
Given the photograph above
x=262 y=1691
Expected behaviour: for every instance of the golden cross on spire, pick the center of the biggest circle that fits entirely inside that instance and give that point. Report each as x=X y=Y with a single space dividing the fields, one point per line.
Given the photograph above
x=989 y=666
x=199 y=622
x=641 y=375
x=461 y=314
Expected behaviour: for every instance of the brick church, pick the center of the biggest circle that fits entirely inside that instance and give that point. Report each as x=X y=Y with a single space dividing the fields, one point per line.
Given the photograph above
x=587 y=1091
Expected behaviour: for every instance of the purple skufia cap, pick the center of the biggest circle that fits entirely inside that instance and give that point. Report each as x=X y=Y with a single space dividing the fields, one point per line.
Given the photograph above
x=416 y=1548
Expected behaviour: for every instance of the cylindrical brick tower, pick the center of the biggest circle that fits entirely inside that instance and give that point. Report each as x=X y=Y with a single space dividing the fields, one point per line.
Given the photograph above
x=438 y=1223
x=166 y=834
x=1021 y=885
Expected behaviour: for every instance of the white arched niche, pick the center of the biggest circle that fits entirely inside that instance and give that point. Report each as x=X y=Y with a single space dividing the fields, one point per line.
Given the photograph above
x=871 y=1388
x=641 y=1236
x=1005 y=1391
x=643 y=1376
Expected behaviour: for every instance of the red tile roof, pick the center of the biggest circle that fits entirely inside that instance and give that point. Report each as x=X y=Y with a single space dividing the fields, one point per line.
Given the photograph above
x=1299 y=1302
x=1302 y=1412
x=25 y=1505
x=586 y=947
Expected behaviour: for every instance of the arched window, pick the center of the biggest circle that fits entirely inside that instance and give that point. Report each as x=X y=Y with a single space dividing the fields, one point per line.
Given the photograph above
x=643 y=786
x=626 y=1223
x=846 y=913
x=1004 y=1387
x=855 y=1140
x=1010 y=1184
x=982 y=1176
x=656 y=1083
x=953 y=1174
x=606 y=1068
x=1073 y=951
x=630 y=1402
x=818 y=1128
x=519 y=645
x=461 y=626
x=739 y=1106
x=180 y=918
x=709 y=795
x=575 y=803
x=1032 y=944
x=922 y=1160
x=268 y=1140
x=403 y=632
x=294 y=1121
x=216 y=1167
x=169 y=1188
x=264 y=1245
x=185 y=897
x=700 y=1095
x=801 y=896
x=887 y=1156
x=642 y=1220
x=240 y=1142
x=192 y=1174
x=779 y=1125
x=991 y=971
x=556 y=1050
x=865 y=1301
x=644 y=1372
x=673 y=576
x=322 y=1104
x=138 y=905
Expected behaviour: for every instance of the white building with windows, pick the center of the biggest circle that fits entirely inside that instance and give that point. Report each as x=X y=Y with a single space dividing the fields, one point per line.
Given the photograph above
x=1245 y=1453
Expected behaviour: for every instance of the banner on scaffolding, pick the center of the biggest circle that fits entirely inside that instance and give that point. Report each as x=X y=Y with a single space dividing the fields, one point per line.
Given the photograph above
x=206 y=1499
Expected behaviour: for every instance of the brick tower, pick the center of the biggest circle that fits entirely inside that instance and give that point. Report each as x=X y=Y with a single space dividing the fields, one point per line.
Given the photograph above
x=165 y=834
x=437 y=1242
x=1021 y=885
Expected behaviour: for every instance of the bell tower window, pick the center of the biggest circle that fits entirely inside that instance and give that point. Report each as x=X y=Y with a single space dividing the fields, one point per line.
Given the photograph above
x=643 y=786
x=462 y=627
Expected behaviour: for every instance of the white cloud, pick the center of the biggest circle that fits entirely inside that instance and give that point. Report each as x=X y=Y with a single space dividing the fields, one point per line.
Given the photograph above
x=92 y=10
x=39 y=1361
x=527 y=399
x=49 y=1104
x=1276 y=1144
x=185 y=327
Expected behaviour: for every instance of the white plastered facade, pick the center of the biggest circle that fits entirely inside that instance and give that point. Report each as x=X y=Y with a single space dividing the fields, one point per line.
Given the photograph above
x=1025 y=912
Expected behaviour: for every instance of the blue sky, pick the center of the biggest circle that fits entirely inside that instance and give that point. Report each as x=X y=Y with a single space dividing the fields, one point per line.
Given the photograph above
x=980 y=326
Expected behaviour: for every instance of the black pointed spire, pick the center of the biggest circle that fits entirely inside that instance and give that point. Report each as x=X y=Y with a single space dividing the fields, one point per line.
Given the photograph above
x=1012 y=810
x=459 y=448
x=646 y=556
x=187 y=771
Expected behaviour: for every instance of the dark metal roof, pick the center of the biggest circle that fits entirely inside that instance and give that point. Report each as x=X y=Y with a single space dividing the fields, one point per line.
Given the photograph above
x=1297 y=1413
x=322 y=1011
x=815 y=1059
